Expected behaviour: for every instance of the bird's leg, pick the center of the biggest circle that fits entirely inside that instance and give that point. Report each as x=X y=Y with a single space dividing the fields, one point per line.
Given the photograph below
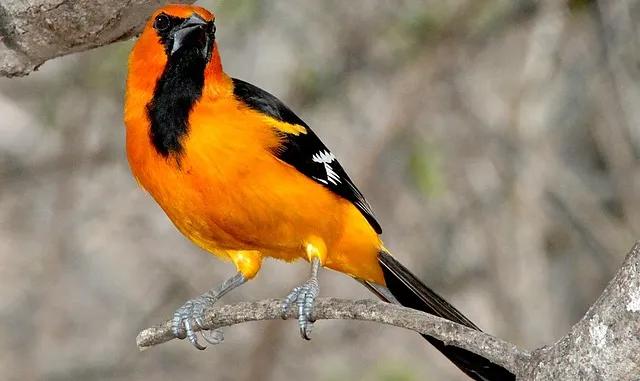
x=305 y=295
x=191 y=314
x=188 y=318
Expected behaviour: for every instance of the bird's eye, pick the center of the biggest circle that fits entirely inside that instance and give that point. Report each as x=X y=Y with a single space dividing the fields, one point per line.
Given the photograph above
x=162 y=23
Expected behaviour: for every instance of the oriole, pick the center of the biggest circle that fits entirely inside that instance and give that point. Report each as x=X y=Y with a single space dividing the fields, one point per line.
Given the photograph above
x=244 y=178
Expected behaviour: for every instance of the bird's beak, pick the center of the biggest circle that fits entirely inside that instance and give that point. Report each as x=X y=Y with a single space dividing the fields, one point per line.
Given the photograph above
x=191 y=33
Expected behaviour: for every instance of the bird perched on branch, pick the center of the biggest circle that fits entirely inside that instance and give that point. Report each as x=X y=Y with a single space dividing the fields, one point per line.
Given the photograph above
x=244 y=178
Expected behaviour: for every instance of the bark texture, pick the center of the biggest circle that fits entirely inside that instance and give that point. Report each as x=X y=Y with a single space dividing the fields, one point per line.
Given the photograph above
x=32 y=32
x=605 y=343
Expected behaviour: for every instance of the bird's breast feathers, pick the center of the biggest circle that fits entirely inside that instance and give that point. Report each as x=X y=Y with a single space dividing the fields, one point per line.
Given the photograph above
x=226 y=190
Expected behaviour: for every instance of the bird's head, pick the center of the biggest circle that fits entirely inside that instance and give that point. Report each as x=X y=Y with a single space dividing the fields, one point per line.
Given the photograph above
x=179 y=36
x=183 y=30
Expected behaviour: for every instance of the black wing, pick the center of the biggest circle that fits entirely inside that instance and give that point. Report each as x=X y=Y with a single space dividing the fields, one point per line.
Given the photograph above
x=305 y=152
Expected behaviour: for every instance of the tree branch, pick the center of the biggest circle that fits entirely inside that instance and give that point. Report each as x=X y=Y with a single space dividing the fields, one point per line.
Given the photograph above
x=32 y=32
x=490 y=347
x=604 y=344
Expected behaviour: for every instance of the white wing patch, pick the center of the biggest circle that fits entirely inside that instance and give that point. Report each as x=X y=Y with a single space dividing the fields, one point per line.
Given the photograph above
x=326 y=158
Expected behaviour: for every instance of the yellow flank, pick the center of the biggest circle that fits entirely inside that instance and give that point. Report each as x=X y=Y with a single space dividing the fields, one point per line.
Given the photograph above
x=316 y=248
x=247 y=262
x=288 y=128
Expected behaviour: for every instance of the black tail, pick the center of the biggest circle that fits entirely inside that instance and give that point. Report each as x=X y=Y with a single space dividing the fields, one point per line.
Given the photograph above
x=410 y=292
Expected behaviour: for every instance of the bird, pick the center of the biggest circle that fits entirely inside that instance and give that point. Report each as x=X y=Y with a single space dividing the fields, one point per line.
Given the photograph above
x=244 y=178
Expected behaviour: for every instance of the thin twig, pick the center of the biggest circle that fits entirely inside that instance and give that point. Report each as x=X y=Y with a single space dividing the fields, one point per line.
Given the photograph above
x=492 y=348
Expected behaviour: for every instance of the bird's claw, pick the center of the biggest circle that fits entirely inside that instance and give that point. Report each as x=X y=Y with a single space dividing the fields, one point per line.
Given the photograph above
x=304 y=297
x=189 y=318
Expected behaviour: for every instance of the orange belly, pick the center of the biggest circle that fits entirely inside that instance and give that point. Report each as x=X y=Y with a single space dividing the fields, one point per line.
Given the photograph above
x=228 y=192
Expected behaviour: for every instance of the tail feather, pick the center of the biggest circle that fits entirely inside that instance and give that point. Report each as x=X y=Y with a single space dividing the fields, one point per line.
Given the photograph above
x=409 y=291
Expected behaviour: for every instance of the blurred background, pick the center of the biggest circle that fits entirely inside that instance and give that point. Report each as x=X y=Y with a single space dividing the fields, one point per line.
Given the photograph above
x=497 y=140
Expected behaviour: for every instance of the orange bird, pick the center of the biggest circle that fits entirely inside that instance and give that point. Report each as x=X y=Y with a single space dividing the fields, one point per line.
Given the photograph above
x=244 y=178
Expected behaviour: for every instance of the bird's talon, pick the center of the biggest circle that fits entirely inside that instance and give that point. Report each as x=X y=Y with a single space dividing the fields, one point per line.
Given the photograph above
x=189 y=318
x=177 y=327
x=195 y=343
x=304 y=334
x=288 y=301
x=198 y=317
x=304 y=297
x=192 y=336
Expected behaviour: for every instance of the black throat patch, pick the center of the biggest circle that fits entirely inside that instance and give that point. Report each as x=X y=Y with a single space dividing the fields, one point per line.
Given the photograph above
x=178 y=89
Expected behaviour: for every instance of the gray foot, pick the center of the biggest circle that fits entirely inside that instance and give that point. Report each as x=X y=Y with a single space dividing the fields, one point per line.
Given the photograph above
x=304 y=297
x=190 y=317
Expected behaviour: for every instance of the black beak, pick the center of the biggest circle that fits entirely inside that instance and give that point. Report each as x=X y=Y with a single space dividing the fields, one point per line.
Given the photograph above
x=193 y=32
